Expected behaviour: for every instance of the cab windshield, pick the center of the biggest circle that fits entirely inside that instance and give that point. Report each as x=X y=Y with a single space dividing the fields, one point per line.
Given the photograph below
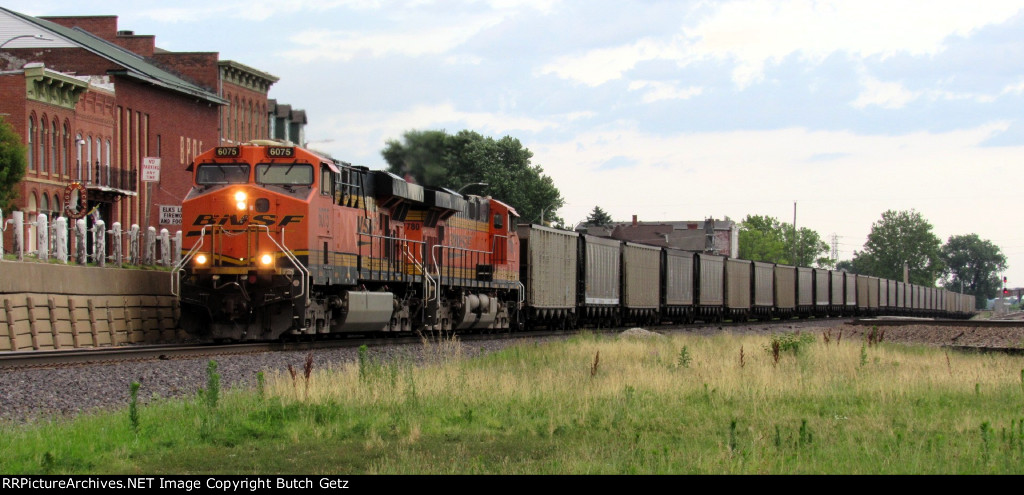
x=222 y=173
x=285 y=174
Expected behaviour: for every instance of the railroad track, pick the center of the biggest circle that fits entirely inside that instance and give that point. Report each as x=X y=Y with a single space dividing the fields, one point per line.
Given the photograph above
x=129 y=353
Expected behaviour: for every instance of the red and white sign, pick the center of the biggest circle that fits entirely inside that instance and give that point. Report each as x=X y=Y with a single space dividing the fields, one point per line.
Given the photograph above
x=150 y=169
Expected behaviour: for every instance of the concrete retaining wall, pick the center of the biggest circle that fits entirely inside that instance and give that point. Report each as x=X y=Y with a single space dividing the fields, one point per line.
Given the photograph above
x=46 y=306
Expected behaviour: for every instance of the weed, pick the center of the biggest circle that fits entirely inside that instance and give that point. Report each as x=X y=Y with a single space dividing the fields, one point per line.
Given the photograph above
x=133 y=405
x=593 y=366
x=363 y=363
x=986 y=437
x=48 y=462
x=863 y=355
x=874 y=336
x=295 y=379
x=742 y=362
x=783 y=342
x=307 y=369
x=261 y=386
x=684 y=357
x=732 y=436
x=949 y=365
x=826 y=337
x=806 y=437
x=212 y=384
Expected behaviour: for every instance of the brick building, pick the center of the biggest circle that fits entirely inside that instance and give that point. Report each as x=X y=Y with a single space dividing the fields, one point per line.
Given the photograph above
x=131 y=101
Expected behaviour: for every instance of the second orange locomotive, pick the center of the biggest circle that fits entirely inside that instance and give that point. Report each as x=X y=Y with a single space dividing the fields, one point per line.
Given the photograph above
x=281 y=240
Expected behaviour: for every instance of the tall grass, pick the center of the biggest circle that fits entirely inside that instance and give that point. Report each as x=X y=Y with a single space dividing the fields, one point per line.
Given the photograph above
x=679 y=404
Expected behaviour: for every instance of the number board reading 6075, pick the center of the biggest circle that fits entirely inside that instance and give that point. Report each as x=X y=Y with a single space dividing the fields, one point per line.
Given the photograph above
x=280 y=151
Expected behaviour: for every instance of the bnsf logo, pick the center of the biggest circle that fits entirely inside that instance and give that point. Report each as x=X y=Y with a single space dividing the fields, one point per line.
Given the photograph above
x=242 y=220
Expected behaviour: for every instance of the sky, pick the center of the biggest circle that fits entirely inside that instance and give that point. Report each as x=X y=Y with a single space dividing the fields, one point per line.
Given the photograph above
x=668 y=110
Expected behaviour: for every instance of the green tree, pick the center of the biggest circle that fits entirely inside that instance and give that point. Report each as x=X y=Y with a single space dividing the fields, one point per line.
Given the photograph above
x=764 y=238
x=439 y=159
x=973 y=264
x=901 y=237
x=12 y=165
x=599 y=217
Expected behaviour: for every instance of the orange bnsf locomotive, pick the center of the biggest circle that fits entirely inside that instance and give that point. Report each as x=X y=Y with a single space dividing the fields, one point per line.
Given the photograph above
x=279 y=241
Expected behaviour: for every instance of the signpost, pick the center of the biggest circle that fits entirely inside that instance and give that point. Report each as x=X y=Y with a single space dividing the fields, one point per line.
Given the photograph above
x=150 y=174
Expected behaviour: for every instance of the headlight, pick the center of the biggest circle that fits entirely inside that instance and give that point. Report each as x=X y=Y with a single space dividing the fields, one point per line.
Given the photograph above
x=240 y=200
x=201 y=259
x=240 y=196
x=266 y=259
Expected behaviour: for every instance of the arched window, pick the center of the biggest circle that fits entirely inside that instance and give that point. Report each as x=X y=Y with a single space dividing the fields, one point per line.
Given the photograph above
x=249 y=121
x=42 y=144
x=54 y=147
x=88 y=158
x=58 y=208
x=31 y=141
x=44 y=205
x=96 y=164
x=64 y=151
x=78 y=160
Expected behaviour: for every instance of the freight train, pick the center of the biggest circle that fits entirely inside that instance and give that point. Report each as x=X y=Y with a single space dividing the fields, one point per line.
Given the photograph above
x=281 y=241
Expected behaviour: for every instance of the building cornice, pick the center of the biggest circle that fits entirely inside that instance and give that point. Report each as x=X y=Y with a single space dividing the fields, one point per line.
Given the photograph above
x=52 y=87
x=245 y=76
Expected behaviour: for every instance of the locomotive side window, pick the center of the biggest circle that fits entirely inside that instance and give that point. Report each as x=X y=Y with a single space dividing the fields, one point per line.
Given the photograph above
x=326 y=183
x=288 y=174
x=498 y=221
x=222 y=173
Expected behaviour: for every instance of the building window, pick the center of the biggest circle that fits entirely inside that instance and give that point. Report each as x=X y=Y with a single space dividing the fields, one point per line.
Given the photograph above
x=42 y=144
x=64 y=150
x=44 y=206
x=31 y=139
x=78 y=145
x=58 y=208
x=54 y=147
x=88 y=159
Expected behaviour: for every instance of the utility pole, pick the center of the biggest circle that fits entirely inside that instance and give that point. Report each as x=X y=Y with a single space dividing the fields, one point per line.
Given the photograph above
x=795 y=240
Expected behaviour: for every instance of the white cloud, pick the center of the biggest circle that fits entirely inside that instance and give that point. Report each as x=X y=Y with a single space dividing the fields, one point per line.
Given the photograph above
x=753 y=33
x=431 y=39
x=692 y=175
x=366 y=133
x=597 y=67
x=660 y=90
x=888 y=95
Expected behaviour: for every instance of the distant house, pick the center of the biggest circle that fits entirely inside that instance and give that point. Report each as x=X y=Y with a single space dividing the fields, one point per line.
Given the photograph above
x=710 y=236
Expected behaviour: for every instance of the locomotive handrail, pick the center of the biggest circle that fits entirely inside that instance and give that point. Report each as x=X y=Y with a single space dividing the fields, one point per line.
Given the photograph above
x=427 y=279
x=180 y=266
x=437 y=247
x=293 y=259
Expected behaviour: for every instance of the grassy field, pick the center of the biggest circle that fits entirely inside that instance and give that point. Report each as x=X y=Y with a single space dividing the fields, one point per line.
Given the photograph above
x=789 y=404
